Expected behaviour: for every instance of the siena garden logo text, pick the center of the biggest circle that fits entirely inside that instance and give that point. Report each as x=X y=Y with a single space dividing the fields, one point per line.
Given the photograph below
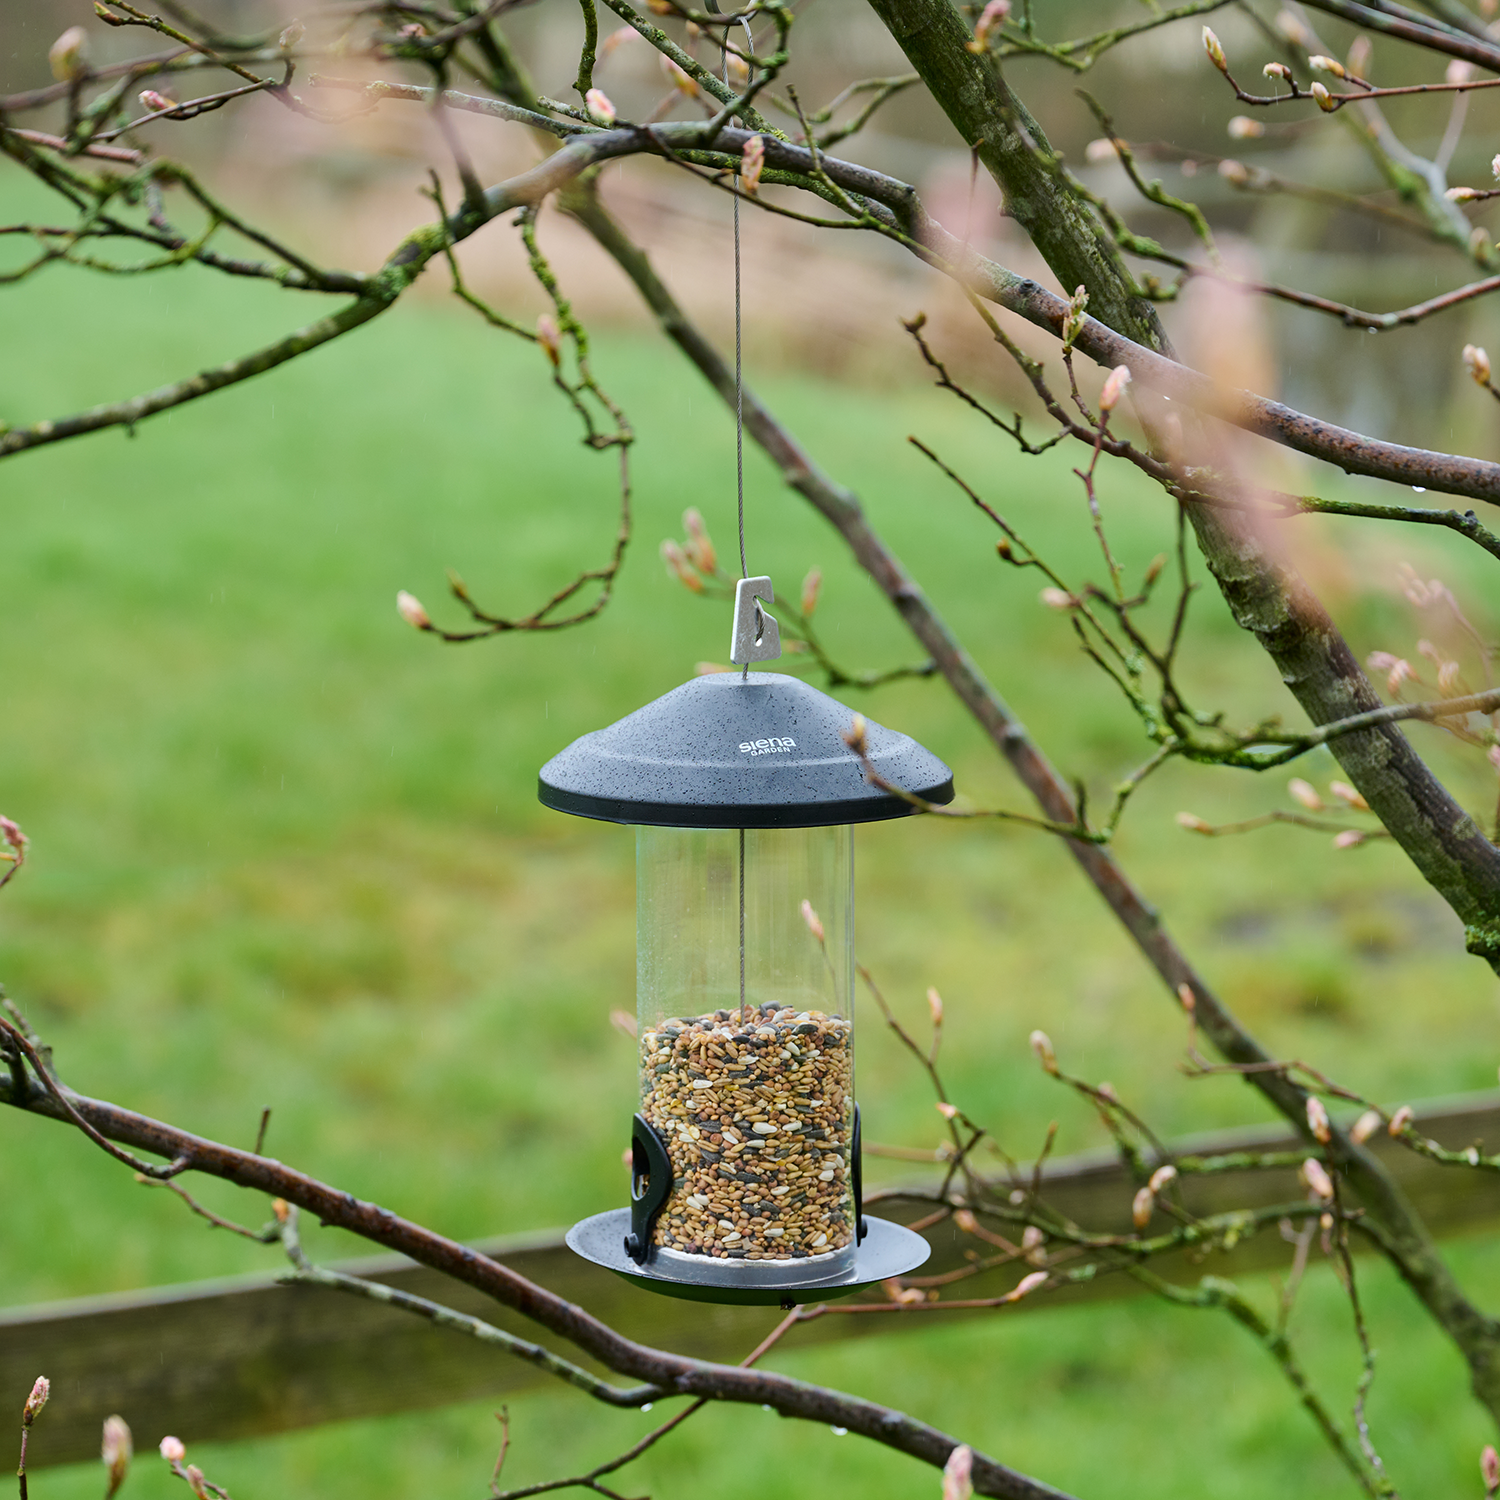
x=767 y=747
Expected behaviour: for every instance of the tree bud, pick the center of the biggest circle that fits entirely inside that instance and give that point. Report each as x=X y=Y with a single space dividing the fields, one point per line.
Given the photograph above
x=1162 y=1176
x=678 y=565
x=623 y=1022
x=1215 y=51
x=811 y=586
x=599 y=106
x=752 y=163
x=814 y=922
x=172 y=1450
x=946 y=1110
x=1041 y=1044
x=10 y=831
x=1494 y=756
x=1243 y=128
x=700 y=547
x=1477 y=363
x=854 y=738
x=1114 y=387
x=1033 y=1243
x=966 y=1221
x=1004 y=551
x=1057 y=598
x=1235 y=173
x=1346 y=793
x=281 y=1210
x=153 y=100
x=1101 y=150
x=1187 y=997
x=1142 y=1207
x=1028 y=1284
x=1320 y=64
x=1458 y=72
x=1317 y=1120
x=989 y=18
x=1303 y=792
x=548 y=336
x=1326 y=102
x=1489 y=1469
x=957 y=1483
x=1365 y=1126
x=291 y=36
x=1357 y=60
x=935 y=1007
x=196 y=1483
x=1193 y=823
x=116 y=1451
x=675 y=75
x=1350 y=838
x=1400 y=1120
x=409 y=607
x=36 y=1400
x=68 y=55
x=1292 y=29
x=1277 y=70
x=1316 y=1178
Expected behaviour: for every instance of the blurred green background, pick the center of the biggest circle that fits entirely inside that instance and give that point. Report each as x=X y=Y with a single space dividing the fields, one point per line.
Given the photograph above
x=287 y=853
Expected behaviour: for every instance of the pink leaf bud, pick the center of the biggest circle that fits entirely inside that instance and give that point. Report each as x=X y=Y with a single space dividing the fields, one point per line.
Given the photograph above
x=1114 y=387
x=1033 y=1242
x=1101 y=150
x=814 y=922
x=1326 y=102
x=811 y=587
x=1215 y=50
x=989 y=19
x=172 y=1450
x=1162 y=1176
x=1495 y=164
x=1193 y=823
x=1458 y=72
x=1400 y=1120
x=957 y=1483
x=1317 y=1120
x=1357 y=59
x=1301 y=791
x=1028 y=1284
x=1107 y=1091
x=599 y=106
x=946 y=1110
x=291 y=36
x=116 y=1451
x=548 y=336
x=1243 y=128
x=1366 y=1126
x=678 y=565
x=1494 y=756
x=1477 y=363
x=1350 y=838
x=1489 y=1469
x=1461 y=195
x=1235 y=173
x=1346 y=794
x=1143 y=1206
x=1057 y=598
x=935 y=1007
x=752 y=163
x=1292 y=29
x=10 y=831
x=854 y=736
x=1320 y=64
x=68 y=55
x=281 y=1211
x=196 y=1483
x=966 y=1221
x=409 y=607
x=1316 y=1178
x=623 y=1021
x=155 y=101
x=679 y=79
x=700 y=547
x=1277 y=70
x=1187 y=997
x=1041 y=1044
x=36 y=1400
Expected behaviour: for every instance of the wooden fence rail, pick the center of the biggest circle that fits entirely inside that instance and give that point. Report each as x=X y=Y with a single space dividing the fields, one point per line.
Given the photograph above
x=244 y=1357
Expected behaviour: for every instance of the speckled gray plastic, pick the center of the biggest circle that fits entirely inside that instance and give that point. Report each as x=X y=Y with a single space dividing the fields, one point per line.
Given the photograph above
x=719 y=752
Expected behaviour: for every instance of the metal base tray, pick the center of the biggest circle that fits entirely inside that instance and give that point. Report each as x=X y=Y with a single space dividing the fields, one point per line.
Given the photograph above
x=886 y=1250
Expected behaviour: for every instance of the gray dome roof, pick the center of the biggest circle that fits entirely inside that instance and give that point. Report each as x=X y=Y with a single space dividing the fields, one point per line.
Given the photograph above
x=719 y=752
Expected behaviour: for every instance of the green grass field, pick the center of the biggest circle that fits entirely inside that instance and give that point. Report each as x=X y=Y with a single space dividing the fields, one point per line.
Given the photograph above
x=287 y=853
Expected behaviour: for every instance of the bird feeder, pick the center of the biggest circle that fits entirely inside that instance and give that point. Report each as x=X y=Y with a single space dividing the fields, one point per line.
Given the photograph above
x=745 y=1150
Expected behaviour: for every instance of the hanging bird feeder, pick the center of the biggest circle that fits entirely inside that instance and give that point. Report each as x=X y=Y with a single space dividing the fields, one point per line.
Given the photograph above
x=745 y=1152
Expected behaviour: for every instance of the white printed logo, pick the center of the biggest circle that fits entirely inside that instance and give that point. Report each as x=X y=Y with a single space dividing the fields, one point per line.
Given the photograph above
x=767 y=747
